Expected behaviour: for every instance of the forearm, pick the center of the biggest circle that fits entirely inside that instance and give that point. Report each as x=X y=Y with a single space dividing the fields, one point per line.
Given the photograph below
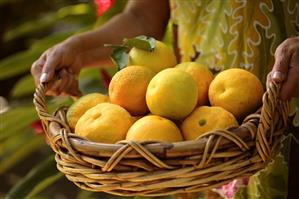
x=142 y=17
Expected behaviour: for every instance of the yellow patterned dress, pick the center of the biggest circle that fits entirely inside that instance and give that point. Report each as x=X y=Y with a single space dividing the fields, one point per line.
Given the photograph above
x=243 y=34
x=234 y=33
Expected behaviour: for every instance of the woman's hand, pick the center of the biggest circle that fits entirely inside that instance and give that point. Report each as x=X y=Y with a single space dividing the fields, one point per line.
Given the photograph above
x=286 y=68
x=62 y=61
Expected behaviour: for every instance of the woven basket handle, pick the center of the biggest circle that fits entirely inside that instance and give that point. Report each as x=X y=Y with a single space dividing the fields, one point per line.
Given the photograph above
x=39 y=100
x=273 y=119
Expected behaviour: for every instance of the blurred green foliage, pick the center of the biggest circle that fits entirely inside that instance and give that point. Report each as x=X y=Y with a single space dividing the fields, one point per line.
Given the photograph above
x=27 y=166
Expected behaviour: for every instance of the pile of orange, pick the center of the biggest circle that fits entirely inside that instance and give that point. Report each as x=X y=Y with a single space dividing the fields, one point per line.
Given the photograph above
x=156 y=99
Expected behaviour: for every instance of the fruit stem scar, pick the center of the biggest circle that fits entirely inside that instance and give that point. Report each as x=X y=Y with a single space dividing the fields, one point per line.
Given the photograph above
x=202 y=122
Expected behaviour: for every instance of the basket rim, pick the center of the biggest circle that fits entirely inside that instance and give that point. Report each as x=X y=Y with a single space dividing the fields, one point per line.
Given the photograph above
x=161 y=149
x=258 y=127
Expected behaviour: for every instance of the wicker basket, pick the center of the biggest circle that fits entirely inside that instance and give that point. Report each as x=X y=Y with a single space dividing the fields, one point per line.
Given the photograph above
x=130 y=168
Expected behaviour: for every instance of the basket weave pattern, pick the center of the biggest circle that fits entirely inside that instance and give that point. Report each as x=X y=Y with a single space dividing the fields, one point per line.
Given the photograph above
x=130 y=168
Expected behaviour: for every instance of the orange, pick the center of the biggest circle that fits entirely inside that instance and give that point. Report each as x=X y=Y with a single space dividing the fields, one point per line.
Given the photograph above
x=237 y=90
x=204 y=119
x=154 y=128
x=203 y=77
x=105 y=122
x=128 y=87
x=160 y=58
x=172 y=93
x=80 y=106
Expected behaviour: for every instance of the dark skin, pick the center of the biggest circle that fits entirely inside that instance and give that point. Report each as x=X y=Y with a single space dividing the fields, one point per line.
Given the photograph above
x=286 y=68
x=140 y=17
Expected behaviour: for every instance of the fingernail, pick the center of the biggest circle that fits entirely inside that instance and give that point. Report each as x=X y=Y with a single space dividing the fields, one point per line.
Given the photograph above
x=43 y=78
x=278 y=76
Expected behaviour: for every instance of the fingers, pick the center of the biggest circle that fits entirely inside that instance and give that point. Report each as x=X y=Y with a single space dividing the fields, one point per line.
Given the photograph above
x=286 y=68
x=36 y=69
x=51 y=64
x=67 y=84
x=269 y=76
x=58 y=61
x=282 y=56
x=290 y=87
x=43 y=69
x=64 y=83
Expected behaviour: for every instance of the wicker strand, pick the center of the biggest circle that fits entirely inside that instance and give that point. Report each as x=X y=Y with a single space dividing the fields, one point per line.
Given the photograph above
x=116 y=157
x=146 y=154
x=39 y=101
x=264 y=125
x=268 y=113
x=206 y=151
x=251 y=127
x=65 y=140
x=229 y=136
x=214 y=150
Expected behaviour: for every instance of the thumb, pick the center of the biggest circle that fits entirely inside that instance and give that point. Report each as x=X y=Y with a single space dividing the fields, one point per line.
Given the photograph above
x=49 y=68
x=282 y=58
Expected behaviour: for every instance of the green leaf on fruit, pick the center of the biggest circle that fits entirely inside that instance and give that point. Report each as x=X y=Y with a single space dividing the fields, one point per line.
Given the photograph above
x=141 y=42
x=120 y=57
x=120 y=53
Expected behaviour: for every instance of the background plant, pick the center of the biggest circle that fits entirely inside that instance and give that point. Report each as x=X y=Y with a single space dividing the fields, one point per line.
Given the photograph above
x=28 y=27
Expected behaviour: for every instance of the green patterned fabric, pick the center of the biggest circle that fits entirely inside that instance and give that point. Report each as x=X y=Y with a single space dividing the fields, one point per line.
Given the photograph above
x=243 y=34
x=234 y=33
x=271 y=182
